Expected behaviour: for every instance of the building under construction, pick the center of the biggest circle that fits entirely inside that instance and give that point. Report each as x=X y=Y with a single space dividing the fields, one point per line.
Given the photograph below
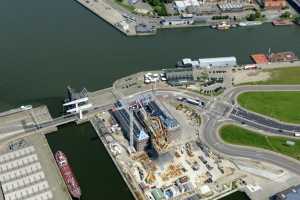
x=122 y=116
x=152 y=123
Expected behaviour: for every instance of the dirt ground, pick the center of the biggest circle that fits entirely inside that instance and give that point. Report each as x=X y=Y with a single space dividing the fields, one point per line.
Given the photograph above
x=250 y=76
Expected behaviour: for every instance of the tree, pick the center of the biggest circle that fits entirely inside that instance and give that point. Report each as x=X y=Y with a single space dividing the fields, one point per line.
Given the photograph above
x=254 y=16
x=297 y=20
x=286 y=15
x=251 y=17
x=257 y=15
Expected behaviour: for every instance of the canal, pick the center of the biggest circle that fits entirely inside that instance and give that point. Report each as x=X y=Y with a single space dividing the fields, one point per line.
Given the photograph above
x=47 y=45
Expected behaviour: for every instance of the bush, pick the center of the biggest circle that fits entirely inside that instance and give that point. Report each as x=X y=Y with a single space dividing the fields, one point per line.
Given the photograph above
x=286 y=15
x=220 y=17
x=158 y=7
x=254 y=16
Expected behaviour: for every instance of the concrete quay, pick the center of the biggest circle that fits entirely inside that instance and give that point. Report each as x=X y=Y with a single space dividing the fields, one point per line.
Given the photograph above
x=110 y=15
x=102 y=132
x=279 y=65
x=28 y=170
x=24 y=122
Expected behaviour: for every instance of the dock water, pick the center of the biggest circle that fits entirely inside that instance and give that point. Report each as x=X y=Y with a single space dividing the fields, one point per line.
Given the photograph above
x=102 y=131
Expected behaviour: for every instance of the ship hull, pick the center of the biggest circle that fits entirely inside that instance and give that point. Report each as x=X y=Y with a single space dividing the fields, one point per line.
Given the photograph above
x=67 y=174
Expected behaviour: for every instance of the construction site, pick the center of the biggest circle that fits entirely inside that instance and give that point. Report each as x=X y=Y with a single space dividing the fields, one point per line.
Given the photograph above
x=154 y=141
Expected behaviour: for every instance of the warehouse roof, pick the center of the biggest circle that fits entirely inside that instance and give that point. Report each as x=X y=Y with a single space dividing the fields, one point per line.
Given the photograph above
x=220 y=59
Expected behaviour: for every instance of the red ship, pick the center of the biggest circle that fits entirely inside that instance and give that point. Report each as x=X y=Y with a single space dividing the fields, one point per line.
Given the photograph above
x=67 y=174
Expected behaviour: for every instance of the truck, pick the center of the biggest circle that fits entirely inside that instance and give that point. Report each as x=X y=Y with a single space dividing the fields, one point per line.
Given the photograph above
x=248 y=67
x=195 y=102
x=297 y=134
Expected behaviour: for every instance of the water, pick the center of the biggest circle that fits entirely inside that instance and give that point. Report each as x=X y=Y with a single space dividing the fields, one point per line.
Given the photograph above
x=92 y=166
x=237 y=196
x=47 y=45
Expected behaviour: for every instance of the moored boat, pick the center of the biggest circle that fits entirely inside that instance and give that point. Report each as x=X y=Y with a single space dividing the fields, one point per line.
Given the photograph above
x=223 y=26
x=250 y=23
x=67 y=174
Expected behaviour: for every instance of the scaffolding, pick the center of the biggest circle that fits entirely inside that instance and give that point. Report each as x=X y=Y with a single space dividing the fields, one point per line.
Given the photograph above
x=160 y=139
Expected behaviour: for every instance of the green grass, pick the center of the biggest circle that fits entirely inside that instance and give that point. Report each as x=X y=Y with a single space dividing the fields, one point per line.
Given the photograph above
x=285 y=76
x=236 y=135
x=126 y=5
x=283 y=105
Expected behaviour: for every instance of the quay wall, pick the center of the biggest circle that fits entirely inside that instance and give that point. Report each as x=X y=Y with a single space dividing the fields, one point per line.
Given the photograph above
x=105 y=11
x=100 y=130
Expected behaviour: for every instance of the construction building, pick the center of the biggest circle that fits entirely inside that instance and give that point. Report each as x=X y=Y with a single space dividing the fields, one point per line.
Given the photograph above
x=157 y=110
x=122 y=116
x=160 y=123
x=151 y=122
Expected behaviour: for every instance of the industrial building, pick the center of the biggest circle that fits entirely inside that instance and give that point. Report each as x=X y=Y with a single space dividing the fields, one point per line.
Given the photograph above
x=140 y=137
x=208 y=63
x=217 y=62
x=179 y=76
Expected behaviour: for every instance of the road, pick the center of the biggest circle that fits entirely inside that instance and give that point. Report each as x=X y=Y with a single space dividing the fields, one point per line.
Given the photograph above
x=211 y=138
x=220 y=110
x=212 y=122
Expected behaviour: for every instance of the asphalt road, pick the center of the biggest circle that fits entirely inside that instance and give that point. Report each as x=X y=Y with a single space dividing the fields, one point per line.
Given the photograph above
x=212 y=139
x=212 y=122
x=213 y=119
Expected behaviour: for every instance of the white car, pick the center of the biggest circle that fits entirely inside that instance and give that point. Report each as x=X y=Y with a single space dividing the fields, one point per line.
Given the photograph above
x=28 y=107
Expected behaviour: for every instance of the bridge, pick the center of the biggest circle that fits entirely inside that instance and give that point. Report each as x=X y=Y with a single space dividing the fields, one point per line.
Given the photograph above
x=69 y=118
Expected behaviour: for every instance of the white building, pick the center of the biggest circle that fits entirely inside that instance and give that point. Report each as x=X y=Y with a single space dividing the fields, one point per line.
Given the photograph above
x=182 y=5
x=218 y=62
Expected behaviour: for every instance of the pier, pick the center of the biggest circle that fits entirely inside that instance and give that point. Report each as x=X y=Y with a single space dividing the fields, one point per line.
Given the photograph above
x=111 y=15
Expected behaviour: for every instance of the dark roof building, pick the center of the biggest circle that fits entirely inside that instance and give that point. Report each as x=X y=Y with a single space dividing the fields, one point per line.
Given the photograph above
x=179 y=76
x=122 y=116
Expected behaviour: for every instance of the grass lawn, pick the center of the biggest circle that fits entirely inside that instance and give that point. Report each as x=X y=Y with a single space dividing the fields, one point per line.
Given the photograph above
x=283 y=105
x=288 y=75
x=236 y=135
x=125 y=4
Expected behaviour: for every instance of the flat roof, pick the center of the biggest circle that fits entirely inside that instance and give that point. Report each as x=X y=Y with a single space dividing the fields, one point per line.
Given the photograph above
x=218 y=59
x=260 y=58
